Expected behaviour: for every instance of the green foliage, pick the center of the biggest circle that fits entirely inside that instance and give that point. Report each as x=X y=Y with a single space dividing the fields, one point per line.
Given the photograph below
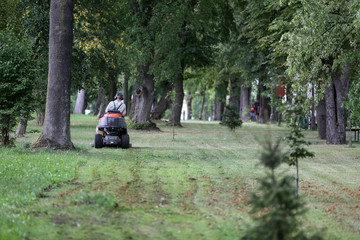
x=139 y=125
x=231 y=118
x=276 y=207
x=292 y=116
x=352 y=103
x=17 y=73
x=10 y=15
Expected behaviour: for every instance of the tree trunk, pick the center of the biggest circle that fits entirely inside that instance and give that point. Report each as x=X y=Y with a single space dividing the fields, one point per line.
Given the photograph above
x=350 y=133
x=40 y=117
x=321 y=119
x=335 y=113
x=98 y=102
x=163 y=104
x=5 y=137
x=331 y=116
x=179 y=99
x=265 y=108
x=234 y=101
x=56 y=130
x=143 y=96
x=188 y=103
x=245 y=103
x=312 y=118
x=104 y=103
x=21 y=129
x=218 y=108
x=80 y=102
x=202 y=115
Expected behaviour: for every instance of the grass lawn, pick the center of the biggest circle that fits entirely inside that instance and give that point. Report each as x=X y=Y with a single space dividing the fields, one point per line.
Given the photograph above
x=194 y=187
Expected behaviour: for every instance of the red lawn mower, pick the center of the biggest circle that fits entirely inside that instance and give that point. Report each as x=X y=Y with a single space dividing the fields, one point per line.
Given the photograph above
x=112 y=131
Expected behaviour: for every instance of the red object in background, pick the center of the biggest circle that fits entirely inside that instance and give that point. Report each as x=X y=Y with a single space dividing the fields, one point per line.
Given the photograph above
x=280 y=90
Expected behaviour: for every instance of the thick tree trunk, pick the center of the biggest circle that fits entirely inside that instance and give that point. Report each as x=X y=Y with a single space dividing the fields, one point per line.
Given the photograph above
x=5 y=137
x=163 y=104
x=234 y=101
x=221 y=91
x=179 y=99
x=80 y=104
x=331 y=116
x=245 y=103
x=321 y=119
x=40 y=117
x=111 y=91
x=104 y=103
x=218 y=108
x=21 y=129
x=98 y=102
x=265 y=108
x=335 y=113
x=56 y=130
x=143 y=96
x=188 y=103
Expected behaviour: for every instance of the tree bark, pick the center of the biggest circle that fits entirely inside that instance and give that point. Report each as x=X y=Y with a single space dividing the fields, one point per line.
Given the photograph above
x=104 y=103
x=143 y=95
x=56 y=130
x=80 y=104
x=335 y=113
x=163 y=104
x=245 y=103
x=234 y=101
x=265 y=108
x=202 y=115
x=21 y=129
x=98 y=102
x=331 y=116
x=321 y=119
x=179 y=99
x=312 y=118
x=218 y=108
x=5 y=137
x=188 y=103
x=40 y=117
x=350 y=133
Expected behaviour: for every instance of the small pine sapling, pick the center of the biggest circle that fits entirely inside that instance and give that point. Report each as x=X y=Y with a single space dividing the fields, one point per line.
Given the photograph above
x=231 y=118
x=295 y=138
x=276 y=207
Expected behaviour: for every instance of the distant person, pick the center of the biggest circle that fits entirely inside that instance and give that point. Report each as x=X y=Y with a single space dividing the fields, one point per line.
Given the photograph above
x=257 y=109
x=117 y=104
x=252 y=112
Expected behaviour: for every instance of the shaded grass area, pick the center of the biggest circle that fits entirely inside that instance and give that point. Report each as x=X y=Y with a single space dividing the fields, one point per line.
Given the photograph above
x=194 y=187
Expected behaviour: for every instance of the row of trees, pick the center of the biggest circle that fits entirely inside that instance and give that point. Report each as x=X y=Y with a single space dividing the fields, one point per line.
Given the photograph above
x=227 y=48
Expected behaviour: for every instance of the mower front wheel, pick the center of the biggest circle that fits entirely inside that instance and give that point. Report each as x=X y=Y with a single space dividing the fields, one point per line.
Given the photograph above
x=98 y=141
x=125 y=141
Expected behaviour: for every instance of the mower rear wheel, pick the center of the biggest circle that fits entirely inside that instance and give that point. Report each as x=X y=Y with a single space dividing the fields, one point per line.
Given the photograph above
x=125 y=141
x=98 y=141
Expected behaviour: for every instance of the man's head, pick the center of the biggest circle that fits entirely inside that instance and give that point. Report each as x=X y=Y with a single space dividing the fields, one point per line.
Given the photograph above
x=119 y=95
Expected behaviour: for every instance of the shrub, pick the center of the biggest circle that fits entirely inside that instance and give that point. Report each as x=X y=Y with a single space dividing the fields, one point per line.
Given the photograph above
x=231 y=118
x=276 y=206
x=17 y=73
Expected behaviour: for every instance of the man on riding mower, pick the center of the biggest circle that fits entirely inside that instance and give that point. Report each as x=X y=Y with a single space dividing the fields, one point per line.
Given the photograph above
x=117 y=104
